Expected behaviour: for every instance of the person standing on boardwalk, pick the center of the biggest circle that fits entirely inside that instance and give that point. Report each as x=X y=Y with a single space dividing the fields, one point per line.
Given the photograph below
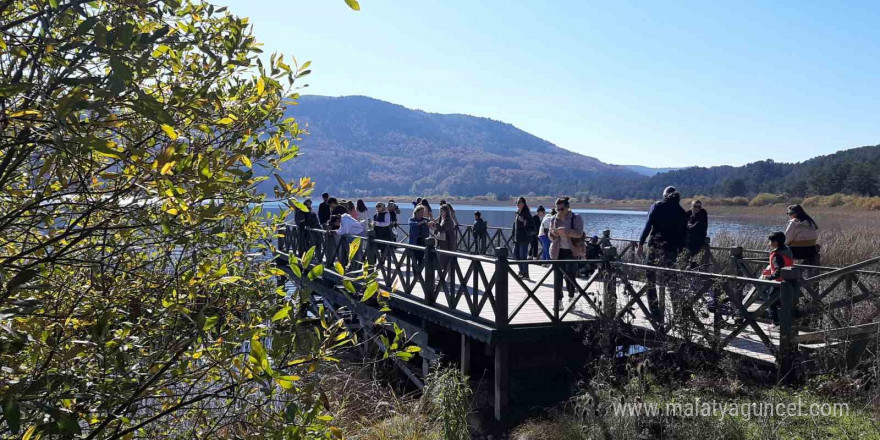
x=363 y=214
x=802 y=235
x=521 y=236
x=445 y=235
x=697 y=227
x=543 y=235
x=780 y=256
x=418 y=233
x=566 y=243
x=382 y=222
x=324 y=209
x=481 y=233
x=382 y=227
x=394 y=211
x=535 y=230
x=429 y=213
x=350 y=229
x=667 y=227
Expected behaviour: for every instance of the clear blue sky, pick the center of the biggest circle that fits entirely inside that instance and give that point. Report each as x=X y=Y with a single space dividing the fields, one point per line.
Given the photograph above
x=653 y=83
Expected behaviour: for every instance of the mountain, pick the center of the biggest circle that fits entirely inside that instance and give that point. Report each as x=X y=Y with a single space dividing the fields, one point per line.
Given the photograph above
x=853 y=171
x=648 y=171
x=359 y=146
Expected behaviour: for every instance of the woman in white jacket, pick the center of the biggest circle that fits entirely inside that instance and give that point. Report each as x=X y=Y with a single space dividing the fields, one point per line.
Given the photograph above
x=801 y=236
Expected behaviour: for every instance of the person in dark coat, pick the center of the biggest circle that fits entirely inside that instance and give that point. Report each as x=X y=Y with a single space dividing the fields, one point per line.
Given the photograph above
x=480 y=232
x=667 y=227
x=521 y=236
x=324 y=209
x=697 y=226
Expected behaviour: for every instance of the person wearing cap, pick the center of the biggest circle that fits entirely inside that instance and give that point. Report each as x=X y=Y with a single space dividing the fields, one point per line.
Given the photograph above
x=667 y=228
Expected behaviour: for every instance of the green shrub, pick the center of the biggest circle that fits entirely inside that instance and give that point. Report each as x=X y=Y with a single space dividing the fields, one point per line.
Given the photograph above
x=448 y=399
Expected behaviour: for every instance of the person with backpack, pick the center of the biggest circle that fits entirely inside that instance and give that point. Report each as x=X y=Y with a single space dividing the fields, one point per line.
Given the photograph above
x=521 y=237
x=566 y=243
x=534 y=230
x=481 y=233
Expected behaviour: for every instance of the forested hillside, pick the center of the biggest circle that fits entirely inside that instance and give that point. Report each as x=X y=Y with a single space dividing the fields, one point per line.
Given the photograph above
x=359 y=146
x=362 y=146
x=852 y=171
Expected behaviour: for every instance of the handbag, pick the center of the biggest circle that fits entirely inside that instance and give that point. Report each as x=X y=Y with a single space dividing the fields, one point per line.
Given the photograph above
x=578 y=245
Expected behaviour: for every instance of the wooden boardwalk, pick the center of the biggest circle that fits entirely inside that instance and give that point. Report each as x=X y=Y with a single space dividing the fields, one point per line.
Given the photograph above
x=747 y=343
x=505 y=313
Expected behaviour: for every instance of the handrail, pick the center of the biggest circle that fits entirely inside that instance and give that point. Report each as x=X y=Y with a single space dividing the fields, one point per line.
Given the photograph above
x=843 y=270
x=756 y=281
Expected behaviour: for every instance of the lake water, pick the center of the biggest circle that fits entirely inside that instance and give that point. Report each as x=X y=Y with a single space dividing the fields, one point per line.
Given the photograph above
x=622 y=223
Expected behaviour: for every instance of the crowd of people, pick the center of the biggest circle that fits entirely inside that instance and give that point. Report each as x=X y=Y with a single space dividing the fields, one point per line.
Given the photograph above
x=671 y=235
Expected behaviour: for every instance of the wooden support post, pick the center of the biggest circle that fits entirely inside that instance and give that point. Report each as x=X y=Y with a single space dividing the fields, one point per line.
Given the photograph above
x=788 y=332
x=330 y=249
x=502 y=380
x=609 y=297
x=430 y=286
x=281 y=232
x=370 y=250
x=501 y=278
x=736 y=254
x=465 y=355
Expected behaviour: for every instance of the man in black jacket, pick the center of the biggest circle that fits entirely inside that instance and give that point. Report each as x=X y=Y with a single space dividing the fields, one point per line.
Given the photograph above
x=324 y=209
x=667 y=227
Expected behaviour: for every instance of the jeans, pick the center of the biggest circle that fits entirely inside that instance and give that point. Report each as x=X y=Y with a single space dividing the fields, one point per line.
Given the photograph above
x=481 y=244
x=661 y=258
x=533 y=247
x=568 y=268
x=521 y=252
x=545 y=247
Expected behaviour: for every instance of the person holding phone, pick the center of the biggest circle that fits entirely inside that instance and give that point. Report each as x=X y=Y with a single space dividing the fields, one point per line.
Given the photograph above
x=566 y=242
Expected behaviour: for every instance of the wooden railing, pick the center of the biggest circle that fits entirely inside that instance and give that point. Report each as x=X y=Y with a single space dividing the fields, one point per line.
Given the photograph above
x=712 y=303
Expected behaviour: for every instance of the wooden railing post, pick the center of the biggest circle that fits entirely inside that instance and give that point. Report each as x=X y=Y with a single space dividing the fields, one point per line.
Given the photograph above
x=788 y=346
x=736 y=254
x=370 y=250
x=280 y=259
x=609 y=293
x=430 y=286
x=330 y=249
x=501 y=278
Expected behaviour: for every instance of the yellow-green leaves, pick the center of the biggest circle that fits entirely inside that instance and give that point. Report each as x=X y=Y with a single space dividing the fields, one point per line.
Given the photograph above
x=353 y=4
x=284 y=312
x=169 y=130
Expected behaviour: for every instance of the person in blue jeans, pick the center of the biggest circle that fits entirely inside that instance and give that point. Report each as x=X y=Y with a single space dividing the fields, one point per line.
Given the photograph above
x=521 y=236
x=542 y=234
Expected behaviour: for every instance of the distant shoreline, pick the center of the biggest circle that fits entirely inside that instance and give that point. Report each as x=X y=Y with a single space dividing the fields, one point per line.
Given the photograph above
x=534 y=202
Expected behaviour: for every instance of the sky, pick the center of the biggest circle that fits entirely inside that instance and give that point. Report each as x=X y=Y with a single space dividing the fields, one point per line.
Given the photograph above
x=654 y=83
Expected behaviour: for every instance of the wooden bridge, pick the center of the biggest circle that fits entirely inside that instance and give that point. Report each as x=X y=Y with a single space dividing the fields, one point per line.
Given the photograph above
x=716 y=301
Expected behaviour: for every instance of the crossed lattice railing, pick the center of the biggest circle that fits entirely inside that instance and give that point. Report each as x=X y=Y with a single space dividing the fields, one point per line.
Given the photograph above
x=708 y=299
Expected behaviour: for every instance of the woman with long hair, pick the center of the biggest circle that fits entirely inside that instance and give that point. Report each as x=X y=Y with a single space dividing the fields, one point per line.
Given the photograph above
x=363 y=214
x=429 y=213
x=445 y=234
x=521 y=236
x=801 y=235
